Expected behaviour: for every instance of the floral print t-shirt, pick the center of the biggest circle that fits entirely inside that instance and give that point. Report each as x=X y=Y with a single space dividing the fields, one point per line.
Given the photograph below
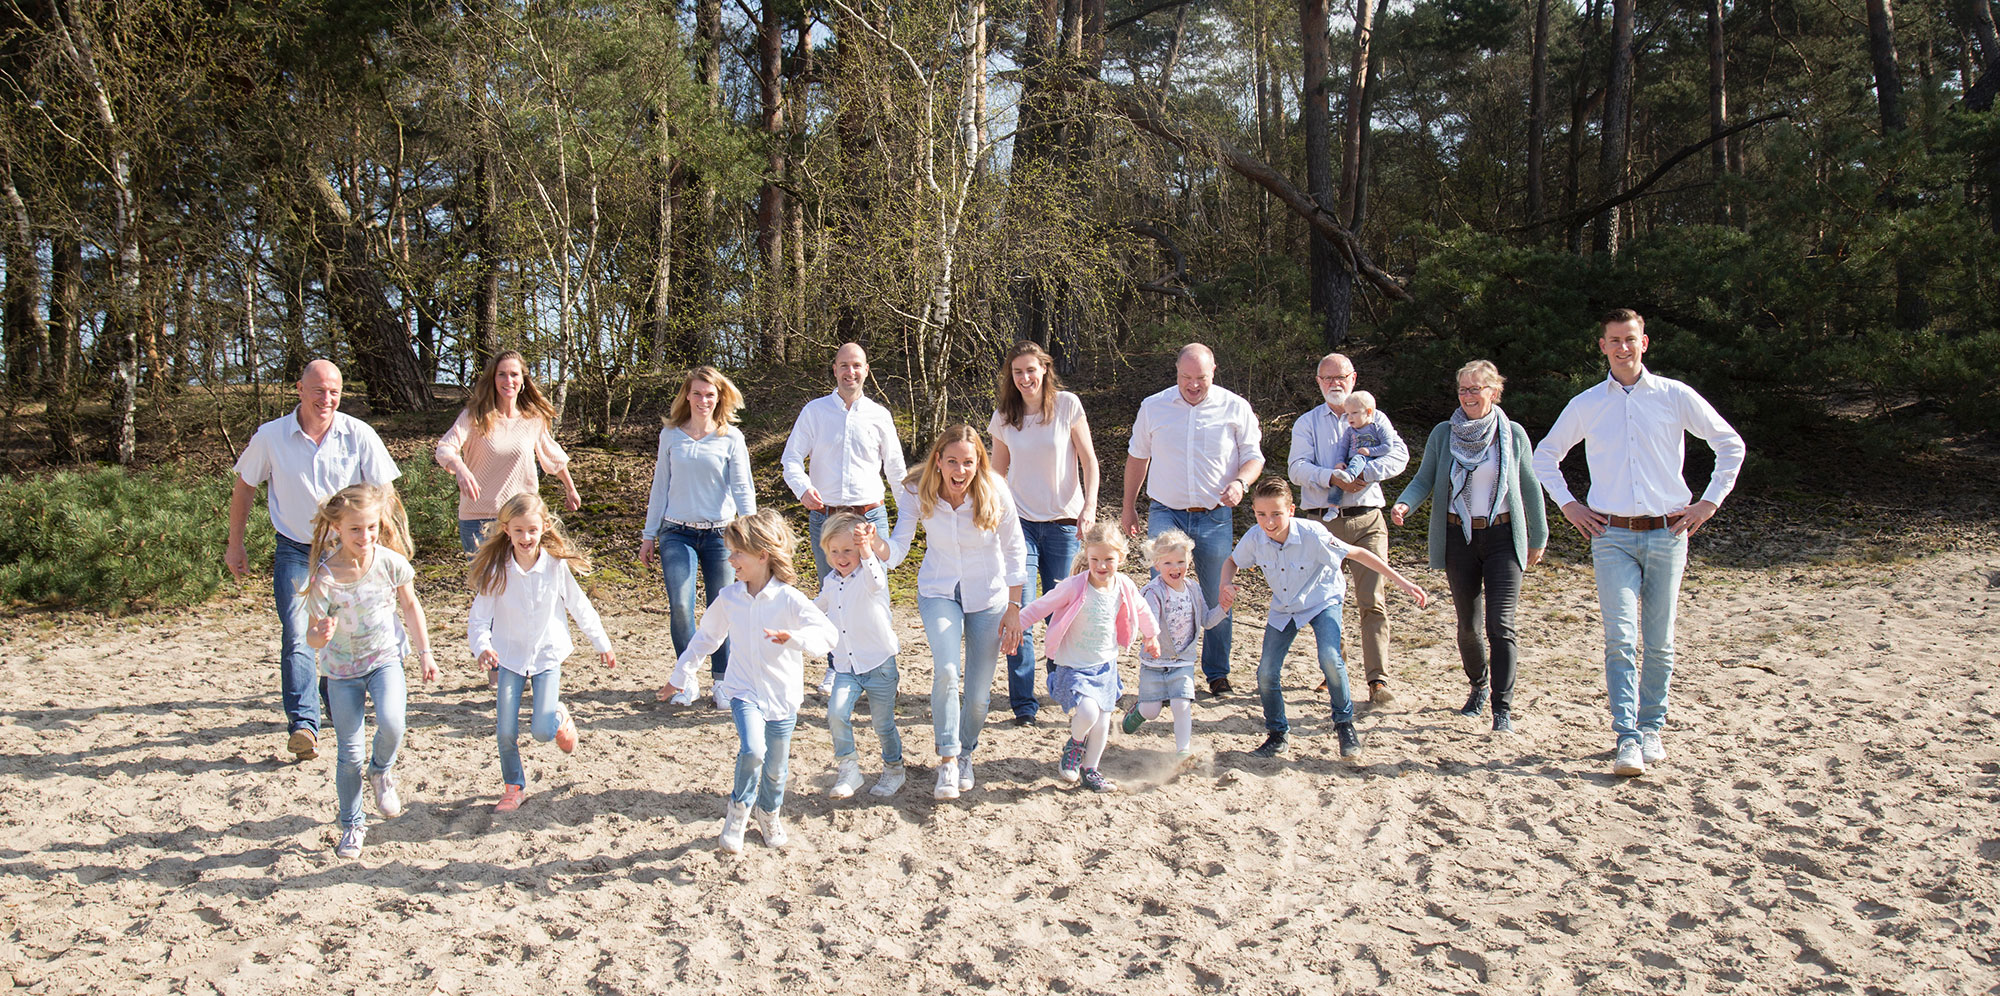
x=368 y=630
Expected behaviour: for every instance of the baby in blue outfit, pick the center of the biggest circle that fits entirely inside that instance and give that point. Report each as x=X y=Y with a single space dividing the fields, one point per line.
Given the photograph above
x=1370 y=438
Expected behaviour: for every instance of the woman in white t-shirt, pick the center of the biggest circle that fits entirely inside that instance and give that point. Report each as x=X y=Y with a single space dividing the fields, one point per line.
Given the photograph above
x=1041 y=445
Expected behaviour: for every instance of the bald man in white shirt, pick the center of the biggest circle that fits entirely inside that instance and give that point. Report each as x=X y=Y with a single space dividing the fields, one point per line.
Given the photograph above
x=1634 y=428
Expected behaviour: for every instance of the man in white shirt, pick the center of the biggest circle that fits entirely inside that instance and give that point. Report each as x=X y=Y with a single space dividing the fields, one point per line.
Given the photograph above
x=1633 y=427
x=841 y=450
x=1195 y=447
x=1352 y=509
x=305 y=456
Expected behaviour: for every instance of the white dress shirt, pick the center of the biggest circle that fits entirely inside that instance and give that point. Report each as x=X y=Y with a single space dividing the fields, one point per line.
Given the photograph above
x=1635 y=443
x=1195 y=449
x=1316 y=440
x=1042 y=469
x=1303 y=571
x=858 y=605
x=770 y=676
x=961 y=560
x=303 y=473
x=524 y=623
x=843 y=452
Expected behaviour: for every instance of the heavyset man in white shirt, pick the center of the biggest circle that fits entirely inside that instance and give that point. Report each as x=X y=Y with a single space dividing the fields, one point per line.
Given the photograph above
x=306 y=456
x=1352 y=509
x=1195 y=446
x=1634 y=429
x=842 y=449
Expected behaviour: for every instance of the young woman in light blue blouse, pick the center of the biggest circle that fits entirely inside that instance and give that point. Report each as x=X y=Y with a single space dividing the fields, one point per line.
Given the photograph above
x=701 y=482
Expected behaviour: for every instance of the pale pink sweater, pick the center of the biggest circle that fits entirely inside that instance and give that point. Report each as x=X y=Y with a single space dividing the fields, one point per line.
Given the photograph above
x=502 y=461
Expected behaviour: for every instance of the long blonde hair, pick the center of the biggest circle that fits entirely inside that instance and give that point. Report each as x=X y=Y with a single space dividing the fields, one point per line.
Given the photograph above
x=929 y=481
x=380 y=499
x=486 y=398
x=765 y=533
x=727 y=398
x=1099 y=533
x=487 y=571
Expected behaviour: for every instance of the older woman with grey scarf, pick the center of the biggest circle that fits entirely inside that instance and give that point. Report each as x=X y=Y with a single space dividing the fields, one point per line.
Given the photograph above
x=1488 y=526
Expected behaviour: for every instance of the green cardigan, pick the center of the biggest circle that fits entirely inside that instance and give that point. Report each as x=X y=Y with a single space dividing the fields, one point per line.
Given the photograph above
x=1433 y=481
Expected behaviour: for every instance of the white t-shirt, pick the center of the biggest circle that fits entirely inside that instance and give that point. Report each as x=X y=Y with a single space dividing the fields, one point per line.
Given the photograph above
x=1042 y=471
x=1093 y=636
x=368 y=624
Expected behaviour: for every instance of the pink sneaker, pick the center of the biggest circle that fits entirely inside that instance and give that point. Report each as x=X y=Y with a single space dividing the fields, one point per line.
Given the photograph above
x=510 y=800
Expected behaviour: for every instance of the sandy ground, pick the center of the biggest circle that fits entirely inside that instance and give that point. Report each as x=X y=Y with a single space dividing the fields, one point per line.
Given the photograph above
x=1826 y=822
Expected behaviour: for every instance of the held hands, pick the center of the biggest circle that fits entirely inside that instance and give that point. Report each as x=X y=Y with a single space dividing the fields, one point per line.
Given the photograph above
x=1150 y=645
x=1226 y=597
x=1010 y=628
x=1689 y=519
x=1396 y=516
x=1589 y=521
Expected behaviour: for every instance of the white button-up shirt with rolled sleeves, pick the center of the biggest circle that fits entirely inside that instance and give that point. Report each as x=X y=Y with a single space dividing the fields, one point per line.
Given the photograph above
x=303 y=474
x=1316 y=444
x=1195 y=449
x=1303 y=571
x=770 y=676
x=844 y=452
x=524 y=624
x=1635 y=442
x=961 y=560
x=858 y=604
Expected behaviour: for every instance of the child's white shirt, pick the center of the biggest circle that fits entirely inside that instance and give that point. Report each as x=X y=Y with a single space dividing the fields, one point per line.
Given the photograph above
x=771 y=676
x=524 y=623
x=858 y=606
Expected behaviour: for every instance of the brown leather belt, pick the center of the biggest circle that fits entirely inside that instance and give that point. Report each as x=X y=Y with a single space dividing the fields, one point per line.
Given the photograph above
x=1052 y=522
x=1642 y=523
x=851 y=509
x=1480 y=521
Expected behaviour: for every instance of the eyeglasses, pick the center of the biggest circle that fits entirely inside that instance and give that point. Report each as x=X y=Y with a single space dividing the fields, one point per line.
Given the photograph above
x=1473 y=392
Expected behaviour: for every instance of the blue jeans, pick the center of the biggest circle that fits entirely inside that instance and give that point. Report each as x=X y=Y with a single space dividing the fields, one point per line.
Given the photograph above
x=542 y=726
x=298 y=676
x=1051 y=550
x=765 y=758
x=879 y=515
x=960 y=641
x=1638 y=584
x=880 y=687
x=1270 y=668
x=345 y=702
x=1212 y=545
x=682 y=550
x=472 y=532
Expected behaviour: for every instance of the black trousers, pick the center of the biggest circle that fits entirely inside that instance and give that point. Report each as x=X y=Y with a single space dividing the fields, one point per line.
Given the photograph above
x=1485 y=579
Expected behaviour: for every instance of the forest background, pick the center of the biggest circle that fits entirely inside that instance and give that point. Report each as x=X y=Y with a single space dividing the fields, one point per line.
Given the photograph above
x=1803 y=196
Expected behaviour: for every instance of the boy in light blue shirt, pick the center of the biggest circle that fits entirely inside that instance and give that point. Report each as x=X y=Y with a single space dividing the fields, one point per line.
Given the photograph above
x=1301 y=562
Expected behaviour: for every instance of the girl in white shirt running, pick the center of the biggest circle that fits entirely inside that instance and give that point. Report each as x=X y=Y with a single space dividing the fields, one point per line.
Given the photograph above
x=771 y=628
x=523 y=580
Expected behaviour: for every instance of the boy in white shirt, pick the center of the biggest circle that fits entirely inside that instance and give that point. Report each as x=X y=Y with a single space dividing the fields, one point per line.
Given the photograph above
x=854 y=594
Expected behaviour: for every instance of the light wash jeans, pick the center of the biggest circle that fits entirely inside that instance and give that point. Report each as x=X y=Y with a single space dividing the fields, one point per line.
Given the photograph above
x=542 y=727
x=967 y=642
x=298 y=676
x=765 y=757
x=1638 y=585
x=346 y=703
x=1212 y=545
x=1271 y=666
x=682 y=551
x=880 y=687
x=1051 y=549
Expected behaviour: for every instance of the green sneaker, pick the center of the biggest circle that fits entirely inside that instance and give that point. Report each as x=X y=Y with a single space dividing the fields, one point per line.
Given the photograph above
x=1132 y=720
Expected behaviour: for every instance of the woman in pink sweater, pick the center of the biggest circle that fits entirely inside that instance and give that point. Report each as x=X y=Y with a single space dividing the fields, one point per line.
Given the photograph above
x=1093 y=616
x=502 y=433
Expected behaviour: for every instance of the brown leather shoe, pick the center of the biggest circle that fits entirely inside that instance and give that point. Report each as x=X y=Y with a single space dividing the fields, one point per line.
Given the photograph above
x=303 y=745
x=1218 y=686
x=1379 y=694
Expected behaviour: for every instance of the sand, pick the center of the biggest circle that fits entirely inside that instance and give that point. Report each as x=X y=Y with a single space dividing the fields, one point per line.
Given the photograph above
x=1826 y=822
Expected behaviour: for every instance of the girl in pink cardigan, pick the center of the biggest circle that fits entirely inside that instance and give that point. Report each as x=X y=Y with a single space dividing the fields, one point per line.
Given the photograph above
x=1093 y=616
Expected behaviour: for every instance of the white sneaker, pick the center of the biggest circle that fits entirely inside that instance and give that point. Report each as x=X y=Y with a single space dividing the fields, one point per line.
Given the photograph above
x=848 y=781
x=685 y=696
x=965 y=780
x=1650 y=747
x=772 y=826
x=720 y=702
x=947 y=779
x=890 y=783
x=350 y=842
x=826 y=684
x=1628 y=760
x=386 y=801
x=734 y=821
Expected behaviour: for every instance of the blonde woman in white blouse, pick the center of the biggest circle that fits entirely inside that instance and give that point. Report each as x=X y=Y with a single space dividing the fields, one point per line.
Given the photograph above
x=1041 y=445
x=968 y=590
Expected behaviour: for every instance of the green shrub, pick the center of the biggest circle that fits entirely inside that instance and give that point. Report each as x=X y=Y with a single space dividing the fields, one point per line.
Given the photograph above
x=109 y=540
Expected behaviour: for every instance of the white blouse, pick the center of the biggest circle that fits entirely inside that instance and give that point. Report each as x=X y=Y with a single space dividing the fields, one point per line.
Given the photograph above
x=960 y=559
x=1042 y=468
x=770 y=676
x=524 y=623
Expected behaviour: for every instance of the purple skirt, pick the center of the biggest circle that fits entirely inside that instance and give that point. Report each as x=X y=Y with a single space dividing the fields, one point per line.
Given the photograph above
x=1098 y=683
